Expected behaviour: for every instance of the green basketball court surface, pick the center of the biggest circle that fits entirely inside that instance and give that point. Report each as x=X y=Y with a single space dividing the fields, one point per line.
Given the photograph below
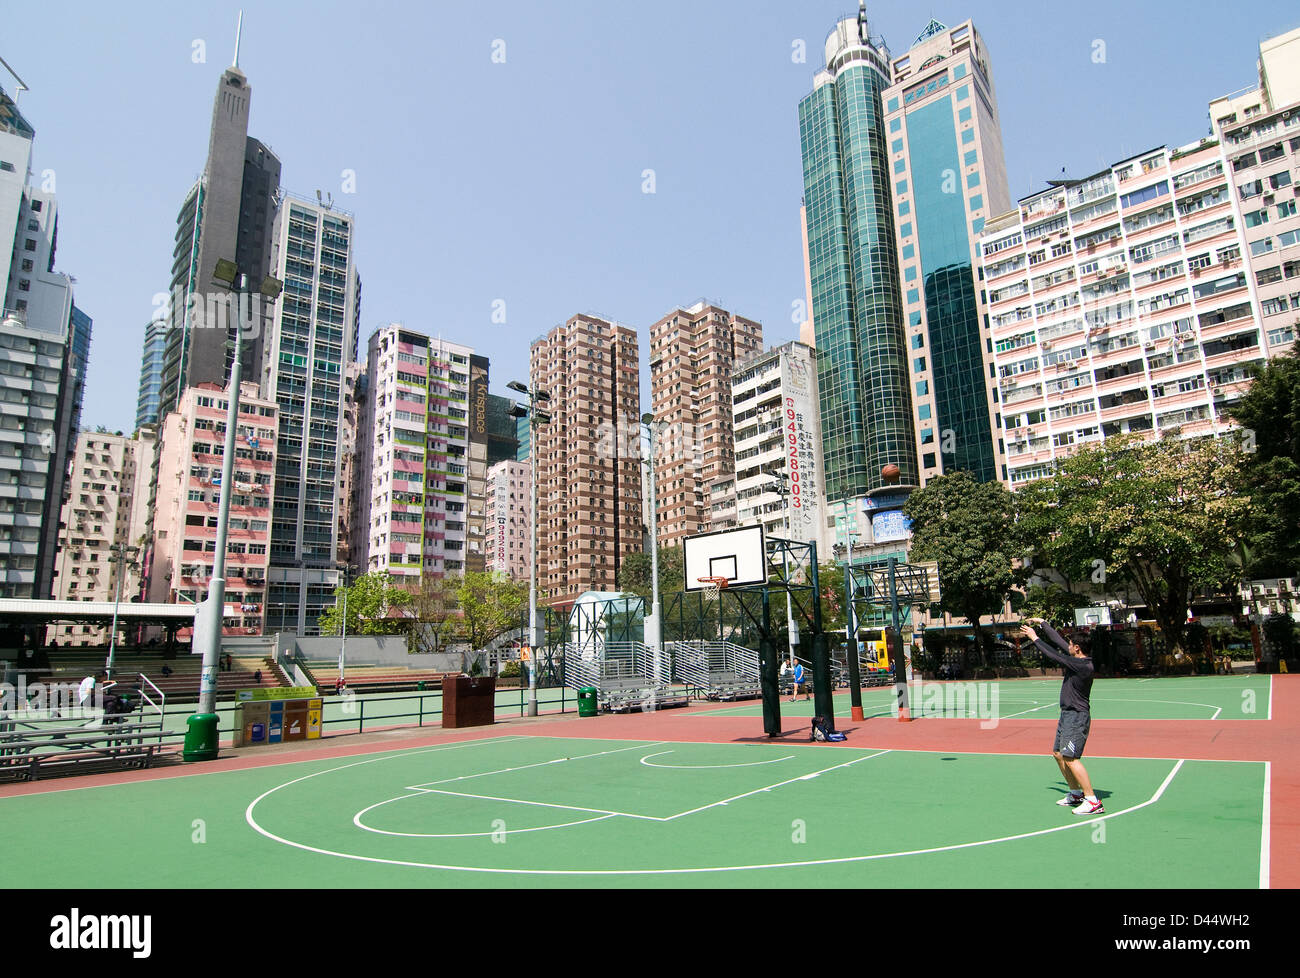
x=699 y=798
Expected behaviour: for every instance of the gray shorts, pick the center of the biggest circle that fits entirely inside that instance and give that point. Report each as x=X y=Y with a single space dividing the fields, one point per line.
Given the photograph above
x=1072 y=734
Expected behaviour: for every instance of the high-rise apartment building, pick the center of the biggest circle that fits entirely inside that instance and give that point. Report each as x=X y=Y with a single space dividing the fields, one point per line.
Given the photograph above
x=588 y=458
x=310 y=346
x=1120 y=304
x=1260 y=133
x=508 y=504
x=778 y=433
x=1135 y=300
x=413 y=448
x=190 y=449
x=692 y=352
x=44 y=347
x=861 y=336
x=948 y=175
x=100 y=521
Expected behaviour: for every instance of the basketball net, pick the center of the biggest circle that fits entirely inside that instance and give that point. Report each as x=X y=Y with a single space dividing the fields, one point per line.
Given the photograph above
x=714 y=587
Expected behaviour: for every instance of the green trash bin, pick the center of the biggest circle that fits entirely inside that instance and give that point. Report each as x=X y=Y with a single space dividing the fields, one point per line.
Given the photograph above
x=201 y=742
x=587 y=702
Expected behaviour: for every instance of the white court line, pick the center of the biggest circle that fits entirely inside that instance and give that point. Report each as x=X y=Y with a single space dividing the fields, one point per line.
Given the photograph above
x=1270 y=697
x=706 y=767
x=1209 y=706
x=474 y=835
x=427 y=788
x=1265 y=842
x=806 y=777
x=525 y=767
x=539 y=804
x=1084 y=823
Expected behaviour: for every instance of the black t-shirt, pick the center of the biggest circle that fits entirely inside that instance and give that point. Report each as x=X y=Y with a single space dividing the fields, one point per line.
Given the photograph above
x=1078 y=672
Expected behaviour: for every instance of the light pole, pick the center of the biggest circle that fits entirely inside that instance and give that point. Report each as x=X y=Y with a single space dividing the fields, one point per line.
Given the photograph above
x=654 y=629
x=346 y=570
x=119 y=553
x=536 y=418
x=201 y=735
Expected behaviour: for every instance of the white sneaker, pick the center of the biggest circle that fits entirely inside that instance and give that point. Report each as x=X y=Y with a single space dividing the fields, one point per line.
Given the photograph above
x=1070 y=800
x=1090 y=808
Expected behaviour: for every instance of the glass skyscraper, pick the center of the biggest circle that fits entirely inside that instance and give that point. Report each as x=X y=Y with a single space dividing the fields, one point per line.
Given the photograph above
x=863 y=369
x=948 y=177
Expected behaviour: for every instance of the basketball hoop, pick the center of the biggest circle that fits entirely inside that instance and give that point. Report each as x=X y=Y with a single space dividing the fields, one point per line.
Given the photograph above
x=714 y=586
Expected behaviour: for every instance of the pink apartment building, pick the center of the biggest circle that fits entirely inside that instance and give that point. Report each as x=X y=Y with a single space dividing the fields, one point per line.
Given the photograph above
x=191 y=447
x=508 y=504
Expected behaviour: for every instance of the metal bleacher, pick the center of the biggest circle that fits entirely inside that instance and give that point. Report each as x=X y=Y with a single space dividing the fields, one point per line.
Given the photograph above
x=624 y=676
x=720 y=671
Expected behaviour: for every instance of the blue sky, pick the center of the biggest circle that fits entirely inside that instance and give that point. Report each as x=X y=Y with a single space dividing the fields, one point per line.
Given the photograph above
x=521 y=182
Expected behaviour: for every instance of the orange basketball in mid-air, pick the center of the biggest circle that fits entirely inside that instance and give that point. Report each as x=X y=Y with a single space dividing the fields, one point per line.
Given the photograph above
x=891 y=473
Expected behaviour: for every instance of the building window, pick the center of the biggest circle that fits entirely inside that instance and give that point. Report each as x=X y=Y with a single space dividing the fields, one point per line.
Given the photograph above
x=29 y=245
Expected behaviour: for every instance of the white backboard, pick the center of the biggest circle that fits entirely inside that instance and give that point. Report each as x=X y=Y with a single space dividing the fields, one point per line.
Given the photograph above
x=737 y=555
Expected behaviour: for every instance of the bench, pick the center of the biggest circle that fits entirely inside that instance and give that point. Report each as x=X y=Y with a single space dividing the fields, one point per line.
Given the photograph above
x=727 y=686
x=27 y=748
x=624 y=695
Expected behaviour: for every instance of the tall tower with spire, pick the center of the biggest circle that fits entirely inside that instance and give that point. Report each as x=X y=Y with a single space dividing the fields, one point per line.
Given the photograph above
x=853 y=269
x=228 y=214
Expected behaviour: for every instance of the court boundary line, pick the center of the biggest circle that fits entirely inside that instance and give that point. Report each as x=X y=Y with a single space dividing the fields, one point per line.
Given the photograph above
x=1086 y=823
x=1266 y=841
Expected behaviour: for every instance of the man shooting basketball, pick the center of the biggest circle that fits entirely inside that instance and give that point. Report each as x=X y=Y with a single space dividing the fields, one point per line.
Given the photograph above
x=1076 y=714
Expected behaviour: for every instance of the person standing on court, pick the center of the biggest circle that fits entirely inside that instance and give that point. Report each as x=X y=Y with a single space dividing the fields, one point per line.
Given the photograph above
x=1076 y=714
x=798 y=679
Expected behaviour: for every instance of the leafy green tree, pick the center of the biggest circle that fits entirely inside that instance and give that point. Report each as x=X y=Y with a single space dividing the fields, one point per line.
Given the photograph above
x=435 y=615
x=490 y=606
x=1049 y=602
x=634 y=574
x=376 y=606
x=1163 y=517
x=968 y=528
x=1270 y=413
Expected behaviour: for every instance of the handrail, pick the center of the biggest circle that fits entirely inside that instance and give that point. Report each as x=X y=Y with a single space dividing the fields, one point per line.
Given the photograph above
x=161 y=710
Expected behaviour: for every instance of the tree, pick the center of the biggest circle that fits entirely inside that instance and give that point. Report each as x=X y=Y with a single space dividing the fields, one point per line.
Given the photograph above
x=372 y=603
x=490 y=606
x=435 y=615
x=634 y=574
x=1049 y=602
x=1270 y=413
x=1163 y=517
x=968 y=528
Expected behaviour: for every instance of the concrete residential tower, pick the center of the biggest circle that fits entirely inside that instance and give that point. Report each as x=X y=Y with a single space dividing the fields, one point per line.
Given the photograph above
x=588 y=458
x=110 y=473
x=414 y=453
x=44 y=348
x=692 y=353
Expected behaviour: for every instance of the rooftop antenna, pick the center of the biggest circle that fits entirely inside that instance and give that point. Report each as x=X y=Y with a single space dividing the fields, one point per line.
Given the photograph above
x=22 y=86
x=239 y=29
x=327 y=204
